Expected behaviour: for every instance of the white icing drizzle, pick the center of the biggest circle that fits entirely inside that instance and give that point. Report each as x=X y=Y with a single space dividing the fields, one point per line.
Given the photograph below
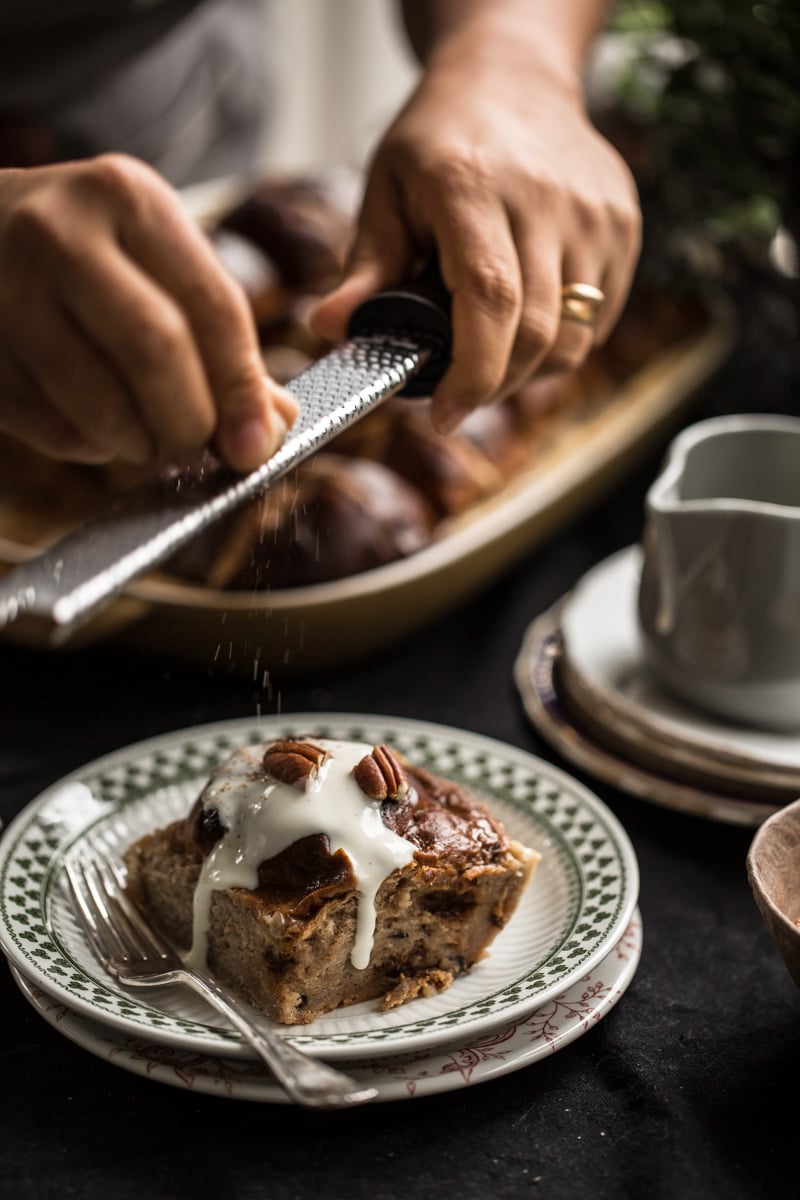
x=262 y=817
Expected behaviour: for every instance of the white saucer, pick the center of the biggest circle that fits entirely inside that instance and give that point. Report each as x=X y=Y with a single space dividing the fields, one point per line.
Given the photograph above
x=535 y=676
x=604 y=675
x=499 y=1052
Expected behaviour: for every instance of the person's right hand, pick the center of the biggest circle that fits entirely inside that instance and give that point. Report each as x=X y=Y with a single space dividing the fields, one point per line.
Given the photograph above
x=121 y=334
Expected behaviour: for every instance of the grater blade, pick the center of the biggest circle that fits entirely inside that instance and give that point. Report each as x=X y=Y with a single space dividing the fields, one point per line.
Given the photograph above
x=69 y=581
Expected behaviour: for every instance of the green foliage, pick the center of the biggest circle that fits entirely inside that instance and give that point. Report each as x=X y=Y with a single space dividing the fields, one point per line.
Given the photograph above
x=713 y=87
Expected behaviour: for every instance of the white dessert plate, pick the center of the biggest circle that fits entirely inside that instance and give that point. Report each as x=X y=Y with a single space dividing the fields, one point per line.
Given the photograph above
x=535 y=676
x=576 y=908
x=605 y=673
x=463 y=1064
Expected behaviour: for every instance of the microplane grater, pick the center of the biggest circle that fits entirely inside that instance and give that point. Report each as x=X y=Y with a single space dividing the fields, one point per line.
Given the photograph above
x=70 y=580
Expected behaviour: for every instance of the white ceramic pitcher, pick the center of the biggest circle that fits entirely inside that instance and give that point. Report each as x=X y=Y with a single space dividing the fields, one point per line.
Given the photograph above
x=719 y=600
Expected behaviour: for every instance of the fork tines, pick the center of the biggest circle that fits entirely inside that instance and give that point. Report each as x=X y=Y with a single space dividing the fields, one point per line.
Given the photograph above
x=115 y=928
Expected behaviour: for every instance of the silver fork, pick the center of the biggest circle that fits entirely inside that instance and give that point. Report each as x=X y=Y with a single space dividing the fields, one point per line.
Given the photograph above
x=135 y=955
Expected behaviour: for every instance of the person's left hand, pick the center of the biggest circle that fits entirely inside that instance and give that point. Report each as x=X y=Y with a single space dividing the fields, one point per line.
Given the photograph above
x=494 y=165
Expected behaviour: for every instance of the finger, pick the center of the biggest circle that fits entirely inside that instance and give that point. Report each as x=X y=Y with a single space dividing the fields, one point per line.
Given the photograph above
x=249 y=413
x=383 y=254
x=480 y=268
x=540 y=263
x=77 y=379
x=145 y=335
x=574 y=339
x=616 y=280
x=27 y=414
x=569 y=350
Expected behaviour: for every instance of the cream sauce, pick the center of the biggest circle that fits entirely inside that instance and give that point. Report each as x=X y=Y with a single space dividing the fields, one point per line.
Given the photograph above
x=262 y=817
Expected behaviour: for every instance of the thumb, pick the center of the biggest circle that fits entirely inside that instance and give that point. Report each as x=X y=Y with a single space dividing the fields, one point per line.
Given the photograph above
x=331 y=316
x=252 y=423
x=382 y=256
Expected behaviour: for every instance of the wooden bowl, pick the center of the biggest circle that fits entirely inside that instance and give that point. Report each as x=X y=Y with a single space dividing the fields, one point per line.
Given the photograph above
x=773 y=871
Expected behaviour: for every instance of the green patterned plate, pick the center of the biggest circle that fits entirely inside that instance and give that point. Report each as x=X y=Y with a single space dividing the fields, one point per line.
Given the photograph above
x=576 y=908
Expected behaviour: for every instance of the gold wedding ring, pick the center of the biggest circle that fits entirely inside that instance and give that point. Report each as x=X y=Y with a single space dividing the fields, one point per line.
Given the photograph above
x=581 y=302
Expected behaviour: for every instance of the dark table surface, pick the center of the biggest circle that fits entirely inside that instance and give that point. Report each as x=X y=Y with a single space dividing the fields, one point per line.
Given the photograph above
x=686 y=1089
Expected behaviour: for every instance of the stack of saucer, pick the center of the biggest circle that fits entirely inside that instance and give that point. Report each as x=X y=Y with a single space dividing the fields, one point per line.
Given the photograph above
x=559 y=966
x=586 y=687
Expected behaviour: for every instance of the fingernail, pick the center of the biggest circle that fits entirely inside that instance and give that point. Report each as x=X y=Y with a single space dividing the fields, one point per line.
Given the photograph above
x=313 y=309
x=449 y=420
x=251 y=443
x=139 y=448
x=279 y=426
x=285 y=397
x=323 y=318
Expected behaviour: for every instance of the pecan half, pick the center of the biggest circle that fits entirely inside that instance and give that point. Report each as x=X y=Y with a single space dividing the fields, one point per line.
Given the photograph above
x=293 y=762
x=380 y=776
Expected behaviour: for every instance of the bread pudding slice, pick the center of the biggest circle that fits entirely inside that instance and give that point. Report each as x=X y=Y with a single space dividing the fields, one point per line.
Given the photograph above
x=313 y=873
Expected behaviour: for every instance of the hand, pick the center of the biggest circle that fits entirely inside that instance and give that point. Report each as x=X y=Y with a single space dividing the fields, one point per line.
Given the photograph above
x=494 y=165
x=121 y=335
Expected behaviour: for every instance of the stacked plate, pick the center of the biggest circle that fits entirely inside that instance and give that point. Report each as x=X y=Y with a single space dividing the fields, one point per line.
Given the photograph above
x=586 y=687
x=561 y=964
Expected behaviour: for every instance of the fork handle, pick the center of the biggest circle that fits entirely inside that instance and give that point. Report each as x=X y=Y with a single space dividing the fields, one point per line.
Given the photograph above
x=308 y=1081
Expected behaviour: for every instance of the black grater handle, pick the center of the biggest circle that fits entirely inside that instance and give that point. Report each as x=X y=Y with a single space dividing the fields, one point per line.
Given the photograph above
x=419 y=310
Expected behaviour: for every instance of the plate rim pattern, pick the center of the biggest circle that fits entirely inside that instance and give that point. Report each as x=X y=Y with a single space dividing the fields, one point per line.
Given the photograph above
x=36 y=842
x=528 y=1039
